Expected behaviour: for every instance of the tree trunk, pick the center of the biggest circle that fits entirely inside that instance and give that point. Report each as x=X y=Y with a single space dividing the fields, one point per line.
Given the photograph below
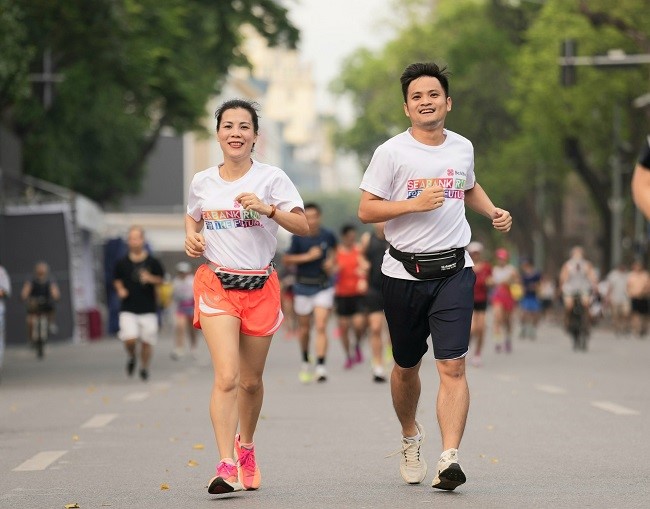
x=599 y=191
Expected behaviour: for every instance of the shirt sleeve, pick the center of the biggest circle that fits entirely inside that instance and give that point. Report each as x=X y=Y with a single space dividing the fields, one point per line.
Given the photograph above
x=194 y=202
x=470 y=181
x=157 y=268
x=118 y=273
x=294 y=246
x=333 y=241
x=644 y=157
x=378 y=178
x=284 y=193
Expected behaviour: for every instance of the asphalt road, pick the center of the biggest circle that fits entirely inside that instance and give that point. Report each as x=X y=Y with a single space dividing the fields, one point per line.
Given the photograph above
x=548 y=427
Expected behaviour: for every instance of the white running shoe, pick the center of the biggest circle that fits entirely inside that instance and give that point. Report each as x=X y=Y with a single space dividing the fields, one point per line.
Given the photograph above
x=378 y=374
x=321 y=373
x=412 y=467
x=449 y=475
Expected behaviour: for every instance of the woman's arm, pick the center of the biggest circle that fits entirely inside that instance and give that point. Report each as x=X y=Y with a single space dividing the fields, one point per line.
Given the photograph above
x=194 y=240
x=294 y=222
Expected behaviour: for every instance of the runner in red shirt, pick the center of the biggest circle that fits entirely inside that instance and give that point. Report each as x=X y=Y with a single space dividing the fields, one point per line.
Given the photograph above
x=349 y=290
x=483 y=272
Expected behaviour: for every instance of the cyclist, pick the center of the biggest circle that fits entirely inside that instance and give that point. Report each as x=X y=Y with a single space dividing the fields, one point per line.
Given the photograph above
x=577 y=278
x=40 y=294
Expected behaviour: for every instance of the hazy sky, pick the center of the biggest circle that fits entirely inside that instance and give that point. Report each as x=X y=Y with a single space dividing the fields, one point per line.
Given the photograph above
x=331 y=30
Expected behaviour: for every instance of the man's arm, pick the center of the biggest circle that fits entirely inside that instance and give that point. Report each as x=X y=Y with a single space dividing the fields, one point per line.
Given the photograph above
x=55 y=292
x=373 y=209
x=478 y=200
x=314 y=253
x=26 y=291
x=118 y=284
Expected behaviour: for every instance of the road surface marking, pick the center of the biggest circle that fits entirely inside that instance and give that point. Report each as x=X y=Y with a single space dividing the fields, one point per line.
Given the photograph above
x=608 y=406
x=136 y=396
x=99 y=421
x=40 y=461
x=550 y=389
x=505 y=378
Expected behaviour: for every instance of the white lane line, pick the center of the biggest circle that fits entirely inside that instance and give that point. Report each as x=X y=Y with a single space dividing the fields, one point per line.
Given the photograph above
x=136 y=396
x=608 y=406
x=505 y=378
x=99 y=421
x=39 y=461
x=550 y=389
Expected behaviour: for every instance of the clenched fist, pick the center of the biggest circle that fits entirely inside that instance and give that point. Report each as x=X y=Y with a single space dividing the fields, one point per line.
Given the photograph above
x=430 y=198
x=194 y=245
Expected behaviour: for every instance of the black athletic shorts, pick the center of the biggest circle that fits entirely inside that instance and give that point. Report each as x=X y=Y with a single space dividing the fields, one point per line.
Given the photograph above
x=480 y=305
x=348 y=306
x=373 y=301
x=441 y=308
x=640 y=306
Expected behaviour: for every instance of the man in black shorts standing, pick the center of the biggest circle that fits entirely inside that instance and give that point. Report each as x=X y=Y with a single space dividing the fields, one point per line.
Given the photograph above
x=419 y=182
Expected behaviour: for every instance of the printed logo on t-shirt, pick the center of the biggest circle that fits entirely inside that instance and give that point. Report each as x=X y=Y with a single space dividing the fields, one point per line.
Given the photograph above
x=453 y=187
x=227 y=219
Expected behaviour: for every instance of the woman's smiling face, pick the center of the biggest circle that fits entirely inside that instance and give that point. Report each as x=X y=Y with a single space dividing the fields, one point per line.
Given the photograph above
x=236 y=133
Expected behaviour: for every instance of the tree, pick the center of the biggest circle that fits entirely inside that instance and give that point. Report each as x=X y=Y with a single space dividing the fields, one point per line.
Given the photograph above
x=130 y=68
x=573 y=127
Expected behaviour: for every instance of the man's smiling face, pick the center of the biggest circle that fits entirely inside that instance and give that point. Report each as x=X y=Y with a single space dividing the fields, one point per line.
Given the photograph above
x=426 y=104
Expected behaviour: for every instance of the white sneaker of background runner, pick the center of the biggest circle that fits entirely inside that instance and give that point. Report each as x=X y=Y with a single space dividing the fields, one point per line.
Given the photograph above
x=412 y=467
x=321 y=373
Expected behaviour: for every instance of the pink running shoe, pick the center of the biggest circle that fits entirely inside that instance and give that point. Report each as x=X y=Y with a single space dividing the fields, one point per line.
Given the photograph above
x=226 y=480
x=358 y=355
x=249 y=473
x=349 y=363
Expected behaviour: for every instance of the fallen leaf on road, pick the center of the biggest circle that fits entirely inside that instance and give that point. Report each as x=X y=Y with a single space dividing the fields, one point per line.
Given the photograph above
x=75 y=438
x=495 y=460
x=91 y=389
x=173 y=439
x=164 y=486
x=490 y=427
x=198 y=447
x=481 y=455
x=192 y=463
x=71 y=506
x=106 y=400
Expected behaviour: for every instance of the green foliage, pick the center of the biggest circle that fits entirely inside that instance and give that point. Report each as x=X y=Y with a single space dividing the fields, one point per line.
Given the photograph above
x=129 y=69
x=16 y=52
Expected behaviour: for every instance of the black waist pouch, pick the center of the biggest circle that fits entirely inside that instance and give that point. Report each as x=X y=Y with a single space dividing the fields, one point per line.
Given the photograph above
x=438 y=265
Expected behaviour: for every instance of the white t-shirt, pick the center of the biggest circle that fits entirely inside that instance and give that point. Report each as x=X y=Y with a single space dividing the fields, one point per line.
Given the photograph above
x=399 y=170
x=234 y=237
x=503 y=274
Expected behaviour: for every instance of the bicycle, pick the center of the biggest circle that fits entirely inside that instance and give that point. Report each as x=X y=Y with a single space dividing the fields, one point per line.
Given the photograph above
x=579 y=324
